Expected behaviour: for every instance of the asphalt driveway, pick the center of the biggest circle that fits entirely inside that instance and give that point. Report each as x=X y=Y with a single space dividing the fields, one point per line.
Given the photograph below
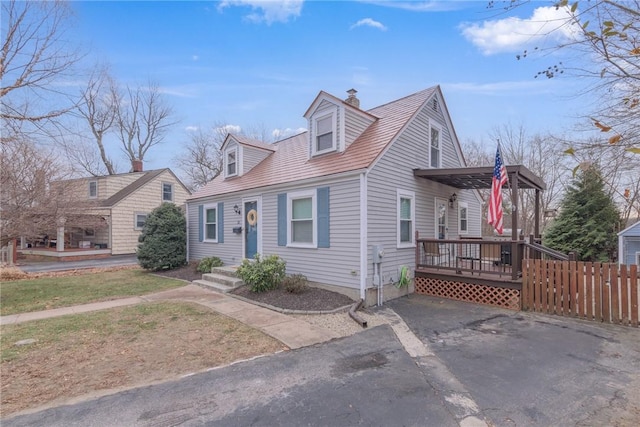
x=47 y=266
x=508 y=368
x=525 y=369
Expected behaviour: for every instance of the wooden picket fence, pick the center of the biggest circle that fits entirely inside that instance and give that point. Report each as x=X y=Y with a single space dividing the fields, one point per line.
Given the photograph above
x=593 y=291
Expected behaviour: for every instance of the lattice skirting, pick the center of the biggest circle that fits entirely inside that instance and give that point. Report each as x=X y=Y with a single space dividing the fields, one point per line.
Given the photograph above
x=481 y=294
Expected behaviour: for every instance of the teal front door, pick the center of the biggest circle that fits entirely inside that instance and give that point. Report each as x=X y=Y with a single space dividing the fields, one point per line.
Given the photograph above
x=250 y=229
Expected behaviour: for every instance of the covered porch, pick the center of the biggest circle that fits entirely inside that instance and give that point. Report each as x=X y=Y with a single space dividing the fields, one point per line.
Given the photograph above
x=480 y=269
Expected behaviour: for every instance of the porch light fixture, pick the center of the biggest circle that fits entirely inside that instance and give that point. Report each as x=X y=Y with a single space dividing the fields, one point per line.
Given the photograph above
x=236 y=209
x=452 y=199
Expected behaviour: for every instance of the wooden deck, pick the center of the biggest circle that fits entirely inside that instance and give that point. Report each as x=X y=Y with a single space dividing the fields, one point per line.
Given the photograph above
x=474 y=270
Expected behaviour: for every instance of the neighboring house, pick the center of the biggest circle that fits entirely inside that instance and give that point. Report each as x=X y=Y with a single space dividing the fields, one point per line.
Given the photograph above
x=118 y=205
x=629 y=245
x=327 y=199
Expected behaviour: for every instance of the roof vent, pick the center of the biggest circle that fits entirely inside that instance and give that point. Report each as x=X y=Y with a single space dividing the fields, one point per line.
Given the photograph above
x=352 y=100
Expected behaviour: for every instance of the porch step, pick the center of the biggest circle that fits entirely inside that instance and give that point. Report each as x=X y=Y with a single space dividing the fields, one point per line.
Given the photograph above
x=223 y=279
x=229 y=271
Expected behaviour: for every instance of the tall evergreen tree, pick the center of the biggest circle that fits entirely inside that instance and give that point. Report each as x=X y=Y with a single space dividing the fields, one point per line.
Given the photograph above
x=588 y=220
x=163 y=241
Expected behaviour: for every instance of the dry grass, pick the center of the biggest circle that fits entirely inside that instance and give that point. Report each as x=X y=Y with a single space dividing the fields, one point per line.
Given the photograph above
x=123 y=347
x=54 y=291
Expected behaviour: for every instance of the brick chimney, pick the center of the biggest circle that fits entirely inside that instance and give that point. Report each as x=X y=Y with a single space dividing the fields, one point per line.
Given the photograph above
x=352 y=100
x=136 y=165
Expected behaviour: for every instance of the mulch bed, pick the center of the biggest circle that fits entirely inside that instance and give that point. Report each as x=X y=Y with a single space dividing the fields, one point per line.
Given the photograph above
x=188 y=272
x=314 y=299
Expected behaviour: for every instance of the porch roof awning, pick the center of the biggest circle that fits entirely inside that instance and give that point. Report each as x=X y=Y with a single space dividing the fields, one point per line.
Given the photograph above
x=480 y=177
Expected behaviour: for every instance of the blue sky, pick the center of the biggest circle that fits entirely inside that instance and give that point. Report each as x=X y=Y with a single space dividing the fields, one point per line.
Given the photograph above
x=255 y=64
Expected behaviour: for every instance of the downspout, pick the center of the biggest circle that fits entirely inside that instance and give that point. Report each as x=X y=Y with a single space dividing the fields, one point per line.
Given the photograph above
x=186 y=213
x=363 y=234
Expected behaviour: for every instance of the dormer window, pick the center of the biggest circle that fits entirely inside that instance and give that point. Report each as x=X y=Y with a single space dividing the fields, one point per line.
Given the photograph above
x=325 y=134
x=231 y=162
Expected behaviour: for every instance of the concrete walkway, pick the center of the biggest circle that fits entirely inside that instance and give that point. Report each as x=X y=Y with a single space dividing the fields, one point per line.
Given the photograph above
x=292 y=332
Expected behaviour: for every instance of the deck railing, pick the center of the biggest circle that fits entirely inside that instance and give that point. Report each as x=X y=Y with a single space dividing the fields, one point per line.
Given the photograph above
x=501 y=258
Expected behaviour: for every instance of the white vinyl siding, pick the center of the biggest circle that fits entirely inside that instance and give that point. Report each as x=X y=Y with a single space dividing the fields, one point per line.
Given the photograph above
x=251 y=157
x=230 y=252
x=395 y=170
x=355 y=124
x=343 y=255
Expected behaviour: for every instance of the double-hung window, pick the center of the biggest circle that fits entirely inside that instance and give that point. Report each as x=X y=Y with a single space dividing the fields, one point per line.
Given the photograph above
x=93 y=189
x=211 y=223
x=302 y=221
x=406 y=218
x=325 y=135
x=434 y=146
x=231 y=162
x=167 y=192
x=139 y=221
x=463 y=211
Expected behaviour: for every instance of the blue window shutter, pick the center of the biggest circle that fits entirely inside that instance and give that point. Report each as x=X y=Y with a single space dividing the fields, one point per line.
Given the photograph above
x=200 y=221
x=282 y=219
x=323 y=217
x=220 y=222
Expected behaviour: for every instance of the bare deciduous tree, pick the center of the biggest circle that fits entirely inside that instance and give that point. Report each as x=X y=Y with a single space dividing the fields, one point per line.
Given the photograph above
x=98 y=109
x=540 y=154
x=607 y=33
x=34 y=56
x=36 y=198
x=202 y=160
x=142 y=119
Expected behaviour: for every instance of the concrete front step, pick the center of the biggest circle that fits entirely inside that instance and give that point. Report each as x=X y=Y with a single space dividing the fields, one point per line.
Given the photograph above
x=229 y=271
x=215 y=286
x=222 y=279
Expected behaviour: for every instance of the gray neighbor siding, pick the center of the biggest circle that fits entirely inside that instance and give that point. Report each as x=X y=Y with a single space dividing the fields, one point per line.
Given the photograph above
x=337 y=265
x=394 y=171
x=630 y=241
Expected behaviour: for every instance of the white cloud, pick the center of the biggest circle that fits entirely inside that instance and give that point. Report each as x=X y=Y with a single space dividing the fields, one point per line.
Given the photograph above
x=268 y=11
x=501 y=88
x=191 y=128
x=368 y=22
x=514 y=34
x=229 y=129
x=421 y=6
x=279 y=134
x=195 y=57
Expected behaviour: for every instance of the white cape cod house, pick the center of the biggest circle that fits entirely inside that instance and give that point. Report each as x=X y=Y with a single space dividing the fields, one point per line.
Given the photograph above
x=340 y=202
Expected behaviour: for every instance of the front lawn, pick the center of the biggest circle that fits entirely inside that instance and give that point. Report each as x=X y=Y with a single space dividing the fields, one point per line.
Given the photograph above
x=53 y=292
x=54 y=360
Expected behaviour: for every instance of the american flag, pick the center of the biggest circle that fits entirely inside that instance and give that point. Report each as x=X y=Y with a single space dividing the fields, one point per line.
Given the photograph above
x=494 y=216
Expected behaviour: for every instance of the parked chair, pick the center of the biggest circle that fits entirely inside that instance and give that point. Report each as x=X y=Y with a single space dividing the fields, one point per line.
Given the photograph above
x=434 y=250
